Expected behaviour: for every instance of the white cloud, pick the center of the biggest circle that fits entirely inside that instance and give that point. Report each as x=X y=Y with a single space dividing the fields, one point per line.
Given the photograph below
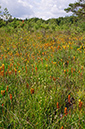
x=36 y=8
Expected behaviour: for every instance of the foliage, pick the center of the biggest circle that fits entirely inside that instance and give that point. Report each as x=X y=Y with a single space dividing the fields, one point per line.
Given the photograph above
x=78 y=8
x=6 y=15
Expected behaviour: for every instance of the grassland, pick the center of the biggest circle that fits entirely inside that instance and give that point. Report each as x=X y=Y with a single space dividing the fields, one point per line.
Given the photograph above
x=42 y=80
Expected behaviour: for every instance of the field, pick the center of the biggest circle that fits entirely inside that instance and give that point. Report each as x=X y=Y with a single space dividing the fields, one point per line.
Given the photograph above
x=42 y=80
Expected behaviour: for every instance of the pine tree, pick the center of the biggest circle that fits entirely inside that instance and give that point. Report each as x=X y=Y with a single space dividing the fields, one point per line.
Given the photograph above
x=78 y=8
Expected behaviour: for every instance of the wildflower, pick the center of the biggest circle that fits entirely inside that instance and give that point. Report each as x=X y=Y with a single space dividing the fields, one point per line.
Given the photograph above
x=0 y=68
x=32 y=91
x=74 y=57
x=2 y=73
x=36 y=68
x=64 y=71
x=62 y=127
x=19 y=71
x=10 y=96
x=7 y=88
x=67 y=70
x=69 y=98
x=80 y=104
x=27 y=85
x=10 y=72
x=3 y=66
x=3 y=92
x=46 y=65
x=65 y=111
x=54 y=62
x=71 y=70
x=74 y=70
x=2 y=104
x=57 y=105
x=58 y=47
x=82 y=67
x=54 y=78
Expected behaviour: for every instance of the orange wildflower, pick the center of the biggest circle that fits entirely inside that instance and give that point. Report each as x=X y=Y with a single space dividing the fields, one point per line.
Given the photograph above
x=32 y=91
x=62 y=127
x=2 y=104
x=0 y=68
x=69 y=98
x=2 y=73
x=54 y=78
x=71 y=70
x=65 y=111
x=10 y=96
x=7 y=88
x=3 y=92
x=3 y=66
x=57 y=105
x=27 y=85
x=36 y=68
x=58 y=47
x=80 y=104
x=64 y=71
x=67 y=70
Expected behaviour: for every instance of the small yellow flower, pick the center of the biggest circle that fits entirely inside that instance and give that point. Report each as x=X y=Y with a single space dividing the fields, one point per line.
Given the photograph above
x=46 y=65
x=64 y=71
x=19 y=71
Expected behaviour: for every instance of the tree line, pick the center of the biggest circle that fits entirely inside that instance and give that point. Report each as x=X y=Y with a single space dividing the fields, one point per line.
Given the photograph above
x=77 y=8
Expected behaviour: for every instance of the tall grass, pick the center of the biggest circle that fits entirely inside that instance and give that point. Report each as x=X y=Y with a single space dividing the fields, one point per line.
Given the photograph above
x=42 y=80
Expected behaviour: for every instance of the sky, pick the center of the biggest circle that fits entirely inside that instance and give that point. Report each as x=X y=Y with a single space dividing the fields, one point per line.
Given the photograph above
x=44 y=9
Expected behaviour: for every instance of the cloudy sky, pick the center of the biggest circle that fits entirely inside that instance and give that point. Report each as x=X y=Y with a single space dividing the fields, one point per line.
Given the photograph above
x=44 y=9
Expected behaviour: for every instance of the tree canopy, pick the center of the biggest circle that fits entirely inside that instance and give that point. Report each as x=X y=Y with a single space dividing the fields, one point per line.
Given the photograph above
x=78 y=8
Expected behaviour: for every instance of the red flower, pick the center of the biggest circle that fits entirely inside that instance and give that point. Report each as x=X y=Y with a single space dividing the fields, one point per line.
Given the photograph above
x=54 y=78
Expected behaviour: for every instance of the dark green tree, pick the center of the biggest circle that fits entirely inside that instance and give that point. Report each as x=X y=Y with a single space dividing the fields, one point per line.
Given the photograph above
x=78 y=8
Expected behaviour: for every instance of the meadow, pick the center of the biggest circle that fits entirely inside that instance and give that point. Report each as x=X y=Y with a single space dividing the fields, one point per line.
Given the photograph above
x=42 y=79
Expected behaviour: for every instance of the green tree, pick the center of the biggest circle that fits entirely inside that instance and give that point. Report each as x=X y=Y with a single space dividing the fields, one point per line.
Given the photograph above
x=0 y=12
x=6 y=15
x=78 y=8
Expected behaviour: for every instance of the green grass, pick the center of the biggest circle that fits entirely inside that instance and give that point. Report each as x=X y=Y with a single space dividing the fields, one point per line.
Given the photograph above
x=52 y=65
